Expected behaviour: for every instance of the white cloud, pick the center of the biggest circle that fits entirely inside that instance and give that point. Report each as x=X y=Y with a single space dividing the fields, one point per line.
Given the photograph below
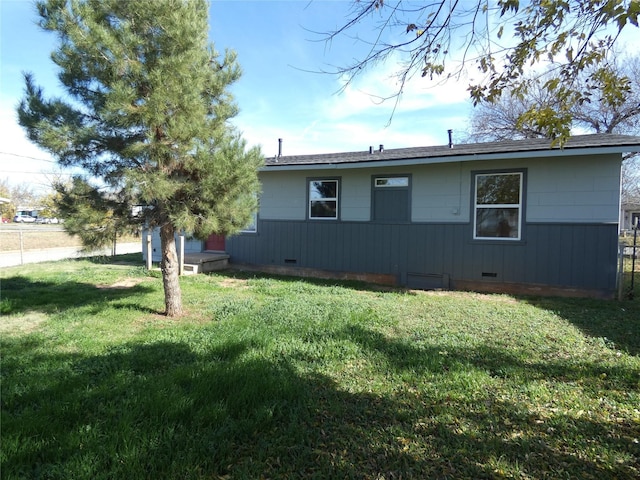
x=21 y=161
x=374 y=92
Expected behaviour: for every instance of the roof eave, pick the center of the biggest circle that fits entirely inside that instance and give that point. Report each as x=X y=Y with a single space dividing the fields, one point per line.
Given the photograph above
x=555 y=153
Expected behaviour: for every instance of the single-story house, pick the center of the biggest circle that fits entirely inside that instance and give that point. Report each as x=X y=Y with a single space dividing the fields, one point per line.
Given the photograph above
x=629 y=216
x=518 y=216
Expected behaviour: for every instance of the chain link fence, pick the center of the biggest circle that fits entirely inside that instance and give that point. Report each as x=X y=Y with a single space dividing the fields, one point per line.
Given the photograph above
x=38 y=243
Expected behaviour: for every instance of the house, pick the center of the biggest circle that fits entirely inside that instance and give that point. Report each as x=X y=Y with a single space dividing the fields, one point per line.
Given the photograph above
x=518 y=216
x=629 y=216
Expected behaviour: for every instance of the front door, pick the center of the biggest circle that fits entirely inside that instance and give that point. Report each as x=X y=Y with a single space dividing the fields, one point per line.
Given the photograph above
x=214 y=243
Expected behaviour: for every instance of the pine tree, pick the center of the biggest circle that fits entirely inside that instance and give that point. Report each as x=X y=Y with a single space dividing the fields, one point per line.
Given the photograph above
x=147 y=115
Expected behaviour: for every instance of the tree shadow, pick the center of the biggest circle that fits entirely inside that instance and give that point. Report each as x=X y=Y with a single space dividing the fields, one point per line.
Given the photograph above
x=471 y=431
x=168 y=410
x=21 y=294
x=616 y=323
x=133 y=259
x=321 y=282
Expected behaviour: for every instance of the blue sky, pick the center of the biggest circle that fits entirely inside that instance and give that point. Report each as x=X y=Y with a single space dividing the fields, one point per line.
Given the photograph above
x=279 y=94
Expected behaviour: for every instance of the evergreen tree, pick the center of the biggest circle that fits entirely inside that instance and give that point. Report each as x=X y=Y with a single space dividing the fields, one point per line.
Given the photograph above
x=147 y=118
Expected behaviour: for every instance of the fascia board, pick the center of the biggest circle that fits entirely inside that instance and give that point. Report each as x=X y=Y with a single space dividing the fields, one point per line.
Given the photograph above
x=569 y=152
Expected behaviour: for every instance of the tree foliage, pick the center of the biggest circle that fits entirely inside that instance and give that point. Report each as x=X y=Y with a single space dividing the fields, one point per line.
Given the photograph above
x=148 y=115
x=503 y=39
x=509 y=117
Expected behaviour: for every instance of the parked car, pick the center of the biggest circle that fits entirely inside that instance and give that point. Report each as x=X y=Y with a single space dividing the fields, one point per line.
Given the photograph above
x=47 y=220
x=21 y=218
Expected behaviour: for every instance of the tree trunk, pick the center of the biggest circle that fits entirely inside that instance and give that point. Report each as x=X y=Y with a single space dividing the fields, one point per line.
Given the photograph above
x=170 y=277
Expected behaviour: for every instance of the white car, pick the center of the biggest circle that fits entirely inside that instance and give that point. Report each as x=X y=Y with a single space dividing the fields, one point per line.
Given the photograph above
x=21 y=218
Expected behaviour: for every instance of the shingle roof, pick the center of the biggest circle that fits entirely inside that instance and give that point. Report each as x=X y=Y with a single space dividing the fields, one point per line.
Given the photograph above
x=611 y=141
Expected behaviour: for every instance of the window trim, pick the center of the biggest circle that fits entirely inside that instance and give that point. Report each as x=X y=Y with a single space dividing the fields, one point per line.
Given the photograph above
x=338 y=181
x=522 y=172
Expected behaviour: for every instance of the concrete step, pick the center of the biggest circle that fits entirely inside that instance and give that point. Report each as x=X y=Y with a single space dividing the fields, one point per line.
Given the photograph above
x=204 y=262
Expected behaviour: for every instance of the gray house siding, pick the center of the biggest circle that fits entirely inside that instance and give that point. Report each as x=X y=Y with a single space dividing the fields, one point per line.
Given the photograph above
x=567 y=256
x=581 y=189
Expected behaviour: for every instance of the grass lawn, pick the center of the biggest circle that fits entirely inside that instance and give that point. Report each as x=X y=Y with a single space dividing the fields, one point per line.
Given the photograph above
x=276 y=378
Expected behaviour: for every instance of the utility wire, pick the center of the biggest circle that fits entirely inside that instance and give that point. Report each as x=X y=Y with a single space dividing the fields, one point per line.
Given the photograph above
x=34 y=173
x=26 y=156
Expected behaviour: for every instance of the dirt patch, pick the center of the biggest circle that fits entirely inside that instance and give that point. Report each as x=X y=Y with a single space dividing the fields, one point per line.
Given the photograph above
x=234 y=283
x=121 y=284
x=485 y=297
x=27 y=323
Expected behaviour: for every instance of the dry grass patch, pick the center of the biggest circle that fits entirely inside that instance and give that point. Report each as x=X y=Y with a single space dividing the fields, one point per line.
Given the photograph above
x=121 y=284
x=21 y=324
x=234 y=283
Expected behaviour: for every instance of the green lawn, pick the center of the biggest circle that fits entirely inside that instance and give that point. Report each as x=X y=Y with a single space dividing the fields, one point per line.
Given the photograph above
x=277 y=378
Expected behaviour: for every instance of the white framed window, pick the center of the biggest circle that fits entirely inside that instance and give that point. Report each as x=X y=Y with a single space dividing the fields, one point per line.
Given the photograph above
x=323 y=199
x=381 y=182
x=498 y=206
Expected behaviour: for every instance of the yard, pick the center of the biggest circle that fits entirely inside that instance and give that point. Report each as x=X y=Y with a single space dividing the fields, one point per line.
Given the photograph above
x=274 y=377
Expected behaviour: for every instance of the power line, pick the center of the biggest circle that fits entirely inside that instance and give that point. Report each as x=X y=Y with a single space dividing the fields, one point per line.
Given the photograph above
x=34 y=173
x=26 y=156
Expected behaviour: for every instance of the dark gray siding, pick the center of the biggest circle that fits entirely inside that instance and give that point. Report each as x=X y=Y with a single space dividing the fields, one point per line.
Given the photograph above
x=577 y=256
x=391 y=204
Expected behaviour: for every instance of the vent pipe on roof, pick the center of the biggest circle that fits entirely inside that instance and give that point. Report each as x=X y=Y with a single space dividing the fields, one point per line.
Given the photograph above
x=279 y=147
x=450 y=132
x=370 y=150
x=381 y=148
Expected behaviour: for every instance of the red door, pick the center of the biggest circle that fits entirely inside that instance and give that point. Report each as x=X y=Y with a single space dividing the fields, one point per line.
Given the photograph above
x=214 y=243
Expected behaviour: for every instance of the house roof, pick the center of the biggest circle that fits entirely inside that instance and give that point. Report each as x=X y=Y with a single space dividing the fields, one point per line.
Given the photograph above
x=536 y=147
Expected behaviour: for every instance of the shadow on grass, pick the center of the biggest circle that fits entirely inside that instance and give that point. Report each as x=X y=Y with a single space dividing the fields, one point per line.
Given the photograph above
x=486 y=424
x=163 y=410
x=20 y=294
x=122 y=259
x=236 y=273
x=617 y=323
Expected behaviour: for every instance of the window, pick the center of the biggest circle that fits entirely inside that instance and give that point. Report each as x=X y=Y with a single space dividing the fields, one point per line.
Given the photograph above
x=253 y=226
x=390 y=199
x=392 y=182
x=323 y=199
x=498 y=206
